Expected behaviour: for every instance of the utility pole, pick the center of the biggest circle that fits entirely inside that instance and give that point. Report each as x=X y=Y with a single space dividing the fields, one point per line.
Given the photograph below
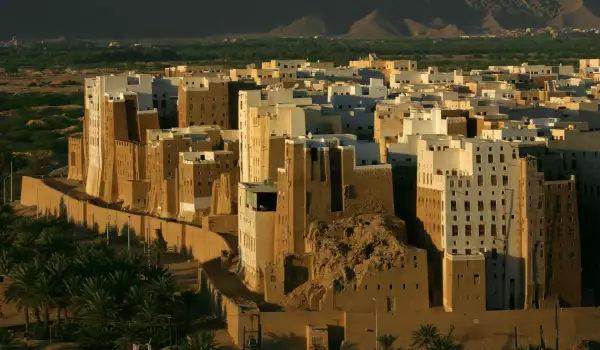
x=556 y=323
x=376 y=326
x=37 y=201
x=4 y=190
x=108 y=230
x=11 y=178
x=129 y=233
x=170 y=333
x=148 y=243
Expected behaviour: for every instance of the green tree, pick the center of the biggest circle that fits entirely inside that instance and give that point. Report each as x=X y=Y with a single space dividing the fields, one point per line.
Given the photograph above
x=201 y=341
x=22 y=290
x=108 y=299
x=8 y=340
x=424 y=337
x=445 y=343
x=386 y=341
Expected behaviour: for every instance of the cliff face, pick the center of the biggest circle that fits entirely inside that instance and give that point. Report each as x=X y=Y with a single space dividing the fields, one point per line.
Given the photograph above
x=375 y=18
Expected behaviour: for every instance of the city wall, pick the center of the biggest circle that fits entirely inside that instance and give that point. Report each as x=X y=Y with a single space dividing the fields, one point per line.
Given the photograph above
x=493 y=330
x=197 y=242
x=475 y=330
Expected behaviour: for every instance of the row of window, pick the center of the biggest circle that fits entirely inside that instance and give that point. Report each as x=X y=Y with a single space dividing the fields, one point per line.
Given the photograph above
x=480 y=205
x=469 y=251
x=480 y=181
x=468 y=230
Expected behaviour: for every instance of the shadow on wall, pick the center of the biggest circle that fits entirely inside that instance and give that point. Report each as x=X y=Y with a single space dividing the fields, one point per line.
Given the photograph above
x=296 y=273
x=291 y=341
x=404 y=180
x=127 y=230
x=421 y=239
x=96 y=228
x=212 y=298
x=62 y=208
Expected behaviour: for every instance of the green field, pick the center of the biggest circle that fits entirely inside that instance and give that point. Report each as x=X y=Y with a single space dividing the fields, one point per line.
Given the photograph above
x=464 y=53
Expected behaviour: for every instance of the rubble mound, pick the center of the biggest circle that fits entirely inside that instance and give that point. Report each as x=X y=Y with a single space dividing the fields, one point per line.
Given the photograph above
x=347 y=250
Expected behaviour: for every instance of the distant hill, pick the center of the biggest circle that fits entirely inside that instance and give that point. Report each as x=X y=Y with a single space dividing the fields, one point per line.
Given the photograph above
x=374 y=25
x=307 y=26
x=364 y=19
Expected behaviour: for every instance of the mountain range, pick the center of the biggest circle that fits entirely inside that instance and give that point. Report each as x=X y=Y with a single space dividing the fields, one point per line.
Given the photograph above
x=287 y=18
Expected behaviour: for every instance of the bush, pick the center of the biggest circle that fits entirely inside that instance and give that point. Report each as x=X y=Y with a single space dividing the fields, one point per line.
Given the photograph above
x=37 y=331
x=20 y=136
x=44 y=139
x=74 y=113
x=61 y=146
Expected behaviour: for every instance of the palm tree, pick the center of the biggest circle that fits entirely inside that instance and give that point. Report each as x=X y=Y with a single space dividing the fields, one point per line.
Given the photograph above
x=52 y=240
x=424 y=337
x=97 y=306
x=445 y=343
x=131 y=333
x=44 y=290
x=6 y=262
x=387 y=341
x=201 y=341
x=58 y=270
x=22 y=290
x=188 y=309
x=8 y=340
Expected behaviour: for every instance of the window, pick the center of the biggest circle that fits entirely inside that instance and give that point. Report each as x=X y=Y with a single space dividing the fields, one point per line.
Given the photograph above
x=490 y=158
x=494 y=253
x=453 y=205
x=504 y=230
x=454 y=230
x=476 y=280
x=502 y=158
x=494 y=180
x=494 y=233
x=481 y=230
x=478 y=159
x=480 y=205
x=391 y=304
x=467 y=206
x=468 y=230
x=479 y=180
x=493 y=205
x=468 y=251
x=504 y=180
